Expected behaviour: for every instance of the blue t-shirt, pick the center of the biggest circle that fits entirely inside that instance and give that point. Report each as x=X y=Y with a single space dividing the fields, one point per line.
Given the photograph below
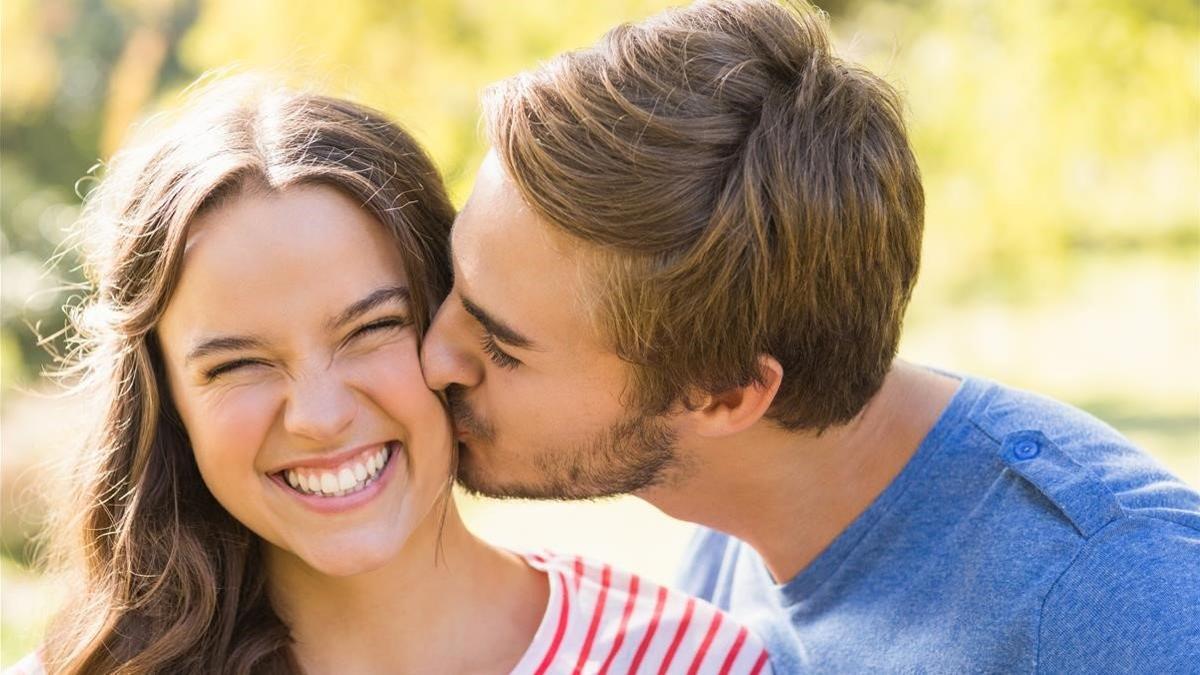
x=1023 y=536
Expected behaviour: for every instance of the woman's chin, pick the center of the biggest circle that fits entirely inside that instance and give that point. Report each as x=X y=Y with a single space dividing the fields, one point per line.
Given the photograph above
x=347 y=549
x=345 y=555
x=346 y=561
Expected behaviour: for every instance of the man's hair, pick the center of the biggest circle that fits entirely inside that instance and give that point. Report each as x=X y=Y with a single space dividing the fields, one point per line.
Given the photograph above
x=745 y=191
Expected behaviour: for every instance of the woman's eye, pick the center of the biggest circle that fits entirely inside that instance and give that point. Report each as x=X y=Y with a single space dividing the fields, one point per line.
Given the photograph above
x=388 y=324
x=228 y=367
x=497 y=355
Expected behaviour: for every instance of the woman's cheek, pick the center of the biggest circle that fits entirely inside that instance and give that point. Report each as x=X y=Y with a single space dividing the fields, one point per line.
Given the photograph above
x=391 y=376
x=237 y=420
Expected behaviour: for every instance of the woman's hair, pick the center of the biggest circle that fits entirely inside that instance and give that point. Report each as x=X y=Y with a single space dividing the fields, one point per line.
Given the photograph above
x=170 y=582
x=746 y=192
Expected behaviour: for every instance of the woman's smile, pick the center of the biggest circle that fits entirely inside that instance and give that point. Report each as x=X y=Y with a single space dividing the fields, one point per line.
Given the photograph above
x=342 y=481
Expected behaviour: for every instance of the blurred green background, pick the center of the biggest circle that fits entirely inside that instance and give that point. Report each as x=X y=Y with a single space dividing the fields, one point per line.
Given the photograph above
x=1060 y=145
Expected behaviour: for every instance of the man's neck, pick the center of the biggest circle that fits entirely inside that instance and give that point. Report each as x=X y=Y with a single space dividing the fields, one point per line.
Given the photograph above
x=789 y=494
x=412 y=614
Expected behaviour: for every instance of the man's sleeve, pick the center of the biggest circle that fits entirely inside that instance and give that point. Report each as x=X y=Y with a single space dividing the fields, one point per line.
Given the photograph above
x=1129 y=603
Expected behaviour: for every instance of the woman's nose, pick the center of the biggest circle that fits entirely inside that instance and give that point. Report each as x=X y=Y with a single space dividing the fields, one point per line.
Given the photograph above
x=320 y=407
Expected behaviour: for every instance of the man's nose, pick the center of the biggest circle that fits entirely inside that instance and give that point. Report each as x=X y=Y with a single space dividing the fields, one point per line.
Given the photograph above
x=446 y=356
x=320 y=407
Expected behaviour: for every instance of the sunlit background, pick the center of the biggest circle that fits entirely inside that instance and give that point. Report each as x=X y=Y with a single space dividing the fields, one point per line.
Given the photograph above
x=1060 y=145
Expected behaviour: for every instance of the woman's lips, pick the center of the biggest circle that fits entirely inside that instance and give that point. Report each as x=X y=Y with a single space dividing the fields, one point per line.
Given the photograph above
x=311 y=486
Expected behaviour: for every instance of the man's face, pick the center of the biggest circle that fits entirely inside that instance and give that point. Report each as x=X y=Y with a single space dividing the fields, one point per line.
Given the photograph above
x=539 y=399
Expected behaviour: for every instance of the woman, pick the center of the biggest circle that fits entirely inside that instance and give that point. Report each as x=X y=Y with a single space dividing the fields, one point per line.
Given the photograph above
x=268 y=489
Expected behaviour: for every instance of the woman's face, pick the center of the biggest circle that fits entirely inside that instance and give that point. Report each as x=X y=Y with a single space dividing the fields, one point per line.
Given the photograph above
x=292 y=360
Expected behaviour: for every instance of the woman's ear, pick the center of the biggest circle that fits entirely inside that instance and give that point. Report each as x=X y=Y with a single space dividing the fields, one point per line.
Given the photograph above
x=736 y=409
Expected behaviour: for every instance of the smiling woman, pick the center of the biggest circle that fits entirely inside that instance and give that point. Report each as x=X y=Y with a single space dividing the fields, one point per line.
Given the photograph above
x=263 y=266
x=267 y=487
x=279 y=379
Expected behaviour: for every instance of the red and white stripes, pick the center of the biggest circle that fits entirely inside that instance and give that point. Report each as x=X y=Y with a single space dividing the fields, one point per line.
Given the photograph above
x=604 y=621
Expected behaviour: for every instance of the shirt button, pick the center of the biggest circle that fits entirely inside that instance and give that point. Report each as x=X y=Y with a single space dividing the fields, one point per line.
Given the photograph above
x=1026 y=449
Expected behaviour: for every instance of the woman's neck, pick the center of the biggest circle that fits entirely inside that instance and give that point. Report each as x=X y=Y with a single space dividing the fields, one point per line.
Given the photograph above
x=449 y=602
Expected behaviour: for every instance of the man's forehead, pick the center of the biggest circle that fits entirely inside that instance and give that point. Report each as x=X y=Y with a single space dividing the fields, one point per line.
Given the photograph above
x=510 y=262
x=493 y=211
x=497 y=225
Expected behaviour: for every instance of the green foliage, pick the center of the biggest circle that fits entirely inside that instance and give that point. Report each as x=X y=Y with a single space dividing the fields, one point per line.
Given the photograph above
x=59 y=60
x=1043 y=128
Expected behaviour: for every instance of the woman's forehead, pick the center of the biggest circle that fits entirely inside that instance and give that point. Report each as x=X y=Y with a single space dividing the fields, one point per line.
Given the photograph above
x=297 y=254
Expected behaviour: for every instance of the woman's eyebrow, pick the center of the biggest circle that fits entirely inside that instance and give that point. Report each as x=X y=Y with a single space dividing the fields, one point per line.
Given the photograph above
x=373 y=299
x=224 y=343
x=230 y=343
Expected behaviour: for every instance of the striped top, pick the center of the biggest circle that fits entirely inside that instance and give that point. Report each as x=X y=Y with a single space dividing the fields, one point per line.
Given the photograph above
x=602 y=620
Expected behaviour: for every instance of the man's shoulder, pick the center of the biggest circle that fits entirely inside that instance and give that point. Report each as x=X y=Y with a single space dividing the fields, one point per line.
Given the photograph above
x=617 y=621
x=1127 y=602
x=1082 y=466
x=1127 y=558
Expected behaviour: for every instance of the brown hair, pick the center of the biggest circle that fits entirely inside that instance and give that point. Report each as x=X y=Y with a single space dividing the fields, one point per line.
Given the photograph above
x=170 y=581
x=747 y=192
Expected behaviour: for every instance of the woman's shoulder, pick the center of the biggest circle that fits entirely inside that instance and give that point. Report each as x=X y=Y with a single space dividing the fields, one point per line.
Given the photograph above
x=603 y=619
x=30 y=665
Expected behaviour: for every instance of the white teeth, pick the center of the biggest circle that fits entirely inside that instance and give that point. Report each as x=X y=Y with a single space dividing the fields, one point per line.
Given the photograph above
x=329 y=483
x=348 y=479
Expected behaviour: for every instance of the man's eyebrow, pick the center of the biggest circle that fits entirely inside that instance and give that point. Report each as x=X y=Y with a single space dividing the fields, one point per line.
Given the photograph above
x=376 y=298
x=224 y=343
x=500 y=330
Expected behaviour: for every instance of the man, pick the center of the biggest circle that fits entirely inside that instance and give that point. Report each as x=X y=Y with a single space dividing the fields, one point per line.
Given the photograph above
x=682 y=274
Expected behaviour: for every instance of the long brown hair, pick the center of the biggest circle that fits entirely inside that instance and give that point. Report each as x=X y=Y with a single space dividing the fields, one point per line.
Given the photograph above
x=167 y=580
x=745 y=192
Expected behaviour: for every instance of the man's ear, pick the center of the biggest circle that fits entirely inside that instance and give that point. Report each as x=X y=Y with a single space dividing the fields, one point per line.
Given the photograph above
x=735 y=410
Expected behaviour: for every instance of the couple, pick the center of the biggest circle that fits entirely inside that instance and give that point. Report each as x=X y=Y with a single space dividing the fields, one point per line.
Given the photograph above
x=681 y=274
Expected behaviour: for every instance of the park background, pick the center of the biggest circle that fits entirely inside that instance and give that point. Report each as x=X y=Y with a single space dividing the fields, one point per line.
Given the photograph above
x=1059 y=141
